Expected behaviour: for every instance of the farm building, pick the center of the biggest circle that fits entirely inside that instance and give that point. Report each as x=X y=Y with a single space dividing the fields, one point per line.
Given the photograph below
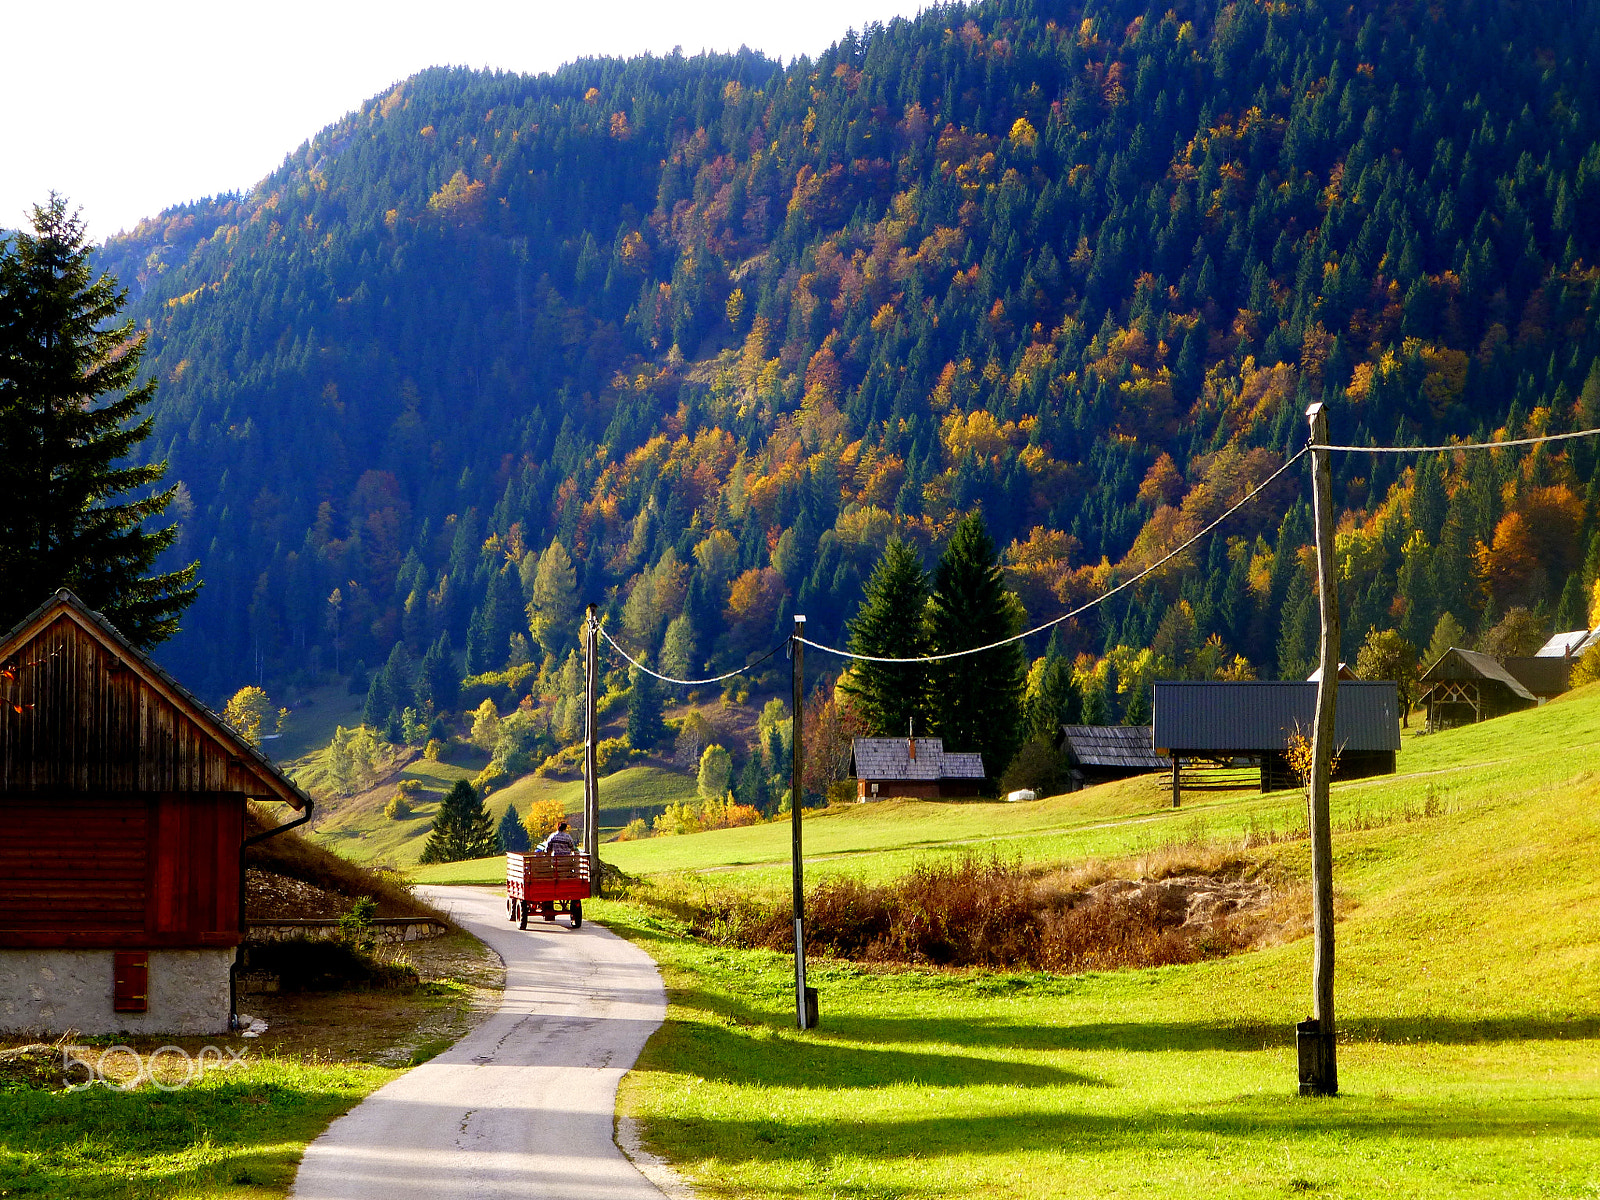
x=123 y=803
x=920 y=768
x=1097 y=753
x=1464 y=686
x=1569 y=645
x=1253 y=720
x=1545 y=677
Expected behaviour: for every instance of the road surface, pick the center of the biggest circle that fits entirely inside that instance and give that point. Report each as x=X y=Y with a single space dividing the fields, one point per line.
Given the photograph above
x=521 y=1107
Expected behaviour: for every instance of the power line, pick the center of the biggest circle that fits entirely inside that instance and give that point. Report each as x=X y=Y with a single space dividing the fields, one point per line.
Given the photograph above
x=1533 y=441
x=1082 y=608
x=750 y=666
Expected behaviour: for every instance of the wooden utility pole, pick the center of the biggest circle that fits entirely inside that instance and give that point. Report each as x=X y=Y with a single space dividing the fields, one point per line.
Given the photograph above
x=805 y=998
x=591 y=741
x=1319 y=1072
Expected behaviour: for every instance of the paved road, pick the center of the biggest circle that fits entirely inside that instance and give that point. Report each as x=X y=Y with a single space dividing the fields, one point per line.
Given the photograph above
x=521 y=1107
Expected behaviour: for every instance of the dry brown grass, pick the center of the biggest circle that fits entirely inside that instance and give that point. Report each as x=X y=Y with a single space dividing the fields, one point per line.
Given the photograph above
x=1174 y=903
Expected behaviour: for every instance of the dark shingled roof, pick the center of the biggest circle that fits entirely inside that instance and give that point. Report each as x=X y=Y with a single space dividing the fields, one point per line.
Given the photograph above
x=890 y=758
x=1541 y=676
x=1258 y=716
x=1126 y=747
x=1456 y=663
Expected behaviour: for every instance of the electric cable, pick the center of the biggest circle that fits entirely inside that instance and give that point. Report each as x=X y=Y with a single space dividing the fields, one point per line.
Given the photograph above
x=1082 y=608
x=750 y=666
x=1533 y=441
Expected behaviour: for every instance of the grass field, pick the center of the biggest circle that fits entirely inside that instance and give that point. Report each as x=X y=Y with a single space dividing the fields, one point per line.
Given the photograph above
x=1468 y=1002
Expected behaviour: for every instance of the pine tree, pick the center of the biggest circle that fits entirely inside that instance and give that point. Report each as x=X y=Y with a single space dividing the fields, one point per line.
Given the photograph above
x=890 y=624
x=553 y=599
x=66 y=519
x=437 y=679
x=513 y=836
x=462 y=829
x=977 y=699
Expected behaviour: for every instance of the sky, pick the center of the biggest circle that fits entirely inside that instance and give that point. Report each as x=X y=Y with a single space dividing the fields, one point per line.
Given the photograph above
x=126 y=109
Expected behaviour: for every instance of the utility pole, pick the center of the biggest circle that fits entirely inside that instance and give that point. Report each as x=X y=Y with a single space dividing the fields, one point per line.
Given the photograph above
x=805 y=998
x=591 y=760
x=1319 y=1071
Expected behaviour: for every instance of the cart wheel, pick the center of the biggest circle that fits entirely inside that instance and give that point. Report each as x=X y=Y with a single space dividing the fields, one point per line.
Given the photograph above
x=522 y=911
x=548 y=910
x=577 y=913
x=511 y=909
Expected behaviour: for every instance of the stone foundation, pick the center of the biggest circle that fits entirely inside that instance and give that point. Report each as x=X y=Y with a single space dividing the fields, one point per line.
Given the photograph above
x=52 y=991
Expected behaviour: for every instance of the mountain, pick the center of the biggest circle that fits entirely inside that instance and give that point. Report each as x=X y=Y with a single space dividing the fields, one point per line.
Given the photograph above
x=720 y=327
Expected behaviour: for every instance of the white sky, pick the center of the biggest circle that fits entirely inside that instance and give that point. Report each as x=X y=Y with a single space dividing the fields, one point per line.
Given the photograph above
x=128 y=108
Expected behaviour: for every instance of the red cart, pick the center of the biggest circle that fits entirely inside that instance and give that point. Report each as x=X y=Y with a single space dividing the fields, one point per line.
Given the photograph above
x=548 y=884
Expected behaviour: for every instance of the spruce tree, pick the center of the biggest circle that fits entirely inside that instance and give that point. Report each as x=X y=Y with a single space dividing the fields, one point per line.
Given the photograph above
x=513 y=835
x=462 y=829
x=73 y=510
x=890 y=624
x=977 y=700
x=645 y=727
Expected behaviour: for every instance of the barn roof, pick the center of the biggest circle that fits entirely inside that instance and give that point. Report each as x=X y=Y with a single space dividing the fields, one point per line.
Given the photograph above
x=1456 y=663
x=890 y=758
x=1257 y=716
x=248 y=769
x=1126 y=747
x=1544 y=676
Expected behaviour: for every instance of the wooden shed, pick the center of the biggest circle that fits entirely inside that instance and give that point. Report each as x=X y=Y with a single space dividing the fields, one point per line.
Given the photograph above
x=122 y=800
x=1464 y=687
x=1097 y=753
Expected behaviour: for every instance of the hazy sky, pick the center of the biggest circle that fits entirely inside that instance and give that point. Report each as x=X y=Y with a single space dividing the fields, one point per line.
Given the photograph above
x=127 y=108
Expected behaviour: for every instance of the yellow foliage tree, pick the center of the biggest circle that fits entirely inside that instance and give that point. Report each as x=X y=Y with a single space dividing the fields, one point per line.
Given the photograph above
x=249 y=711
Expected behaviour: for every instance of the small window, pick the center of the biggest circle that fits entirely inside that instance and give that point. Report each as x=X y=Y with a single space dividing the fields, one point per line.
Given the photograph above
x=131 y=987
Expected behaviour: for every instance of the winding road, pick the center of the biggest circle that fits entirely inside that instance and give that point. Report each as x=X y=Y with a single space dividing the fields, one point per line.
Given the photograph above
x=521 y=1107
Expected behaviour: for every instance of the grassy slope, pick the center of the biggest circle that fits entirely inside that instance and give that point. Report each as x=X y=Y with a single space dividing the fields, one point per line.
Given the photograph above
x=1469 y=1002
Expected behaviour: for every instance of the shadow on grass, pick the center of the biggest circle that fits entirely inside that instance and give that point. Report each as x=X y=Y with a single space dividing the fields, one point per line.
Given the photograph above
x=725 y=1054
x=1249 y=1120
x=103 y=1142
x=1141 y=1037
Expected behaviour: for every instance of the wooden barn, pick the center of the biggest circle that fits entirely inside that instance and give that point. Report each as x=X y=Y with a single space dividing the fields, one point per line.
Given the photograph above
x=1464 y=687
x=123 y=799
x=1253 y=720
x=917 y=767
x=1098 y=753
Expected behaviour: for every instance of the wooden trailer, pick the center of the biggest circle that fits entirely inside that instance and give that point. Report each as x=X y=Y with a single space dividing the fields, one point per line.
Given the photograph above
x=546 y=884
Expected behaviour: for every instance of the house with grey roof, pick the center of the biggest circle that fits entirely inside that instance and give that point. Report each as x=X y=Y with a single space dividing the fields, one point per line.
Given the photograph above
x=915 y=767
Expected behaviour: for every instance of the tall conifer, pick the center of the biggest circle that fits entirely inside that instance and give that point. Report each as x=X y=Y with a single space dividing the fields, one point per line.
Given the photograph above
x=463 y=828
x=977 y=701
x=73 y=509
x=890 y=624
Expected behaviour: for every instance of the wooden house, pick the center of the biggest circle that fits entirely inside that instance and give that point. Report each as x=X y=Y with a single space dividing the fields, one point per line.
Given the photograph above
x=1253 y=720
x=122 y=798
x=915 y=767
x=1464 y=686
x=1098 y=753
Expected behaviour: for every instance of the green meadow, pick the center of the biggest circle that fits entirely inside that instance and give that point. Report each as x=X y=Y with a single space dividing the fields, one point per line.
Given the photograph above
x=1468 y=1003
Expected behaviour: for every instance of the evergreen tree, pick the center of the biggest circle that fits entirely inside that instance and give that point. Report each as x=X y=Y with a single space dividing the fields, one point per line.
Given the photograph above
x=437 y=680
x=553 y=599
x=513 y=836
x=752 y=786
x=463 y=828
x=71 y=516
x=645 y=727
x=1446 y=634
x=380 y=701
x=977 y=699
x=889 y=624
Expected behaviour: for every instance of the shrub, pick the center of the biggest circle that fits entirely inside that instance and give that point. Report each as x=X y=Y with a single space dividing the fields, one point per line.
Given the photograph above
x=434 y=750
x=409 y=788
x=611 y=754
x=1038 y=766
x=542 y=819
x=634 y=830
x=1587 y=668
x=493 y=776
x=397 y=809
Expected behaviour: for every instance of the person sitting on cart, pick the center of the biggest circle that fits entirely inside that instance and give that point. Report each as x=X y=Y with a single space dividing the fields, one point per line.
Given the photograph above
x=559 y=842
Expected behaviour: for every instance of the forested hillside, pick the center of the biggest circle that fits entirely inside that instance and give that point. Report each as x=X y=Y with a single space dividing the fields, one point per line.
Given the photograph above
x=692 y=338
